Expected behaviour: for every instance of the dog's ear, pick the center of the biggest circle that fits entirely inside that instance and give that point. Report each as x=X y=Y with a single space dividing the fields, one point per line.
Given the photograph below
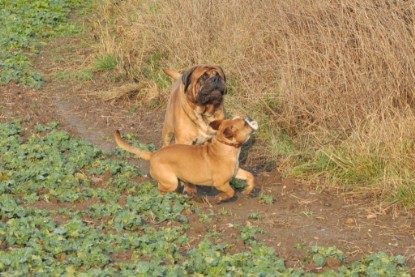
x=228 y=132
x=187 y=78
x=224 y=79
x=215 y=124
x=222 y=73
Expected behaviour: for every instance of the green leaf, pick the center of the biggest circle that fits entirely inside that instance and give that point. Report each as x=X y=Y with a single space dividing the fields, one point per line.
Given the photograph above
x=319 y=260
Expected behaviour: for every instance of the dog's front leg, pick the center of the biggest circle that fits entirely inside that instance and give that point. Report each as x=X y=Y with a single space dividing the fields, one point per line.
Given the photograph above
x=227 y=192
x=167 y=134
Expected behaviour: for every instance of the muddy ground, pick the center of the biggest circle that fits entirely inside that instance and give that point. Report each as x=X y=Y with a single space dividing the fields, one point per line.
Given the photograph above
x=302 y=214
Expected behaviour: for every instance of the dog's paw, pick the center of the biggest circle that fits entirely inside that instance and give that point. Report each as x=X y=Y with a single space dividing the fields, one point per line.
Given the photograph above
x=247 y=191
x=221 y=198
x=217 y=200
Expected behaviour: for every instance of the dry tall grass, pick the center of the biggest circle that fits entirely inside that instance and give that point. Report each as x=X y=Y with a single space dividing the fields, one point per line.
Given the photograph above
x=336 y=76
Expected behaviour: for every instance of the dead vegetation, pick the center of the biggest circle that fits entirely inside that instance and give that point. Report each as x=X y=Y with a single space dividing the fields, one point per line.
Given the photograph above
x=331 y=81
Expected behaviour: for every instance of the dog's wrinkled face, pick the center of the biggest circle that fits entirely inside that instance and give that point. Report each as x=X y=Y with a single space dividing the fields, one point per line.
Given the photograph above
x=205 y=84
x=236 y=130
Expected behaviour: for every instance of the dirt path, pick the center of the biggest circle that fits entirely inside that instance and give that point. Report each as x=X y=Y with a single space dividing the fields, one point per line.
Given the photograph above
x=301 y=215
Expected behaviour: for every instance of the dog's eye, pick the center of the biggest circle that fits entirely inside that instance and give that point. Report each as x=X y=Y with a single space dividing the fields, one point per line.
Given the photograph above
x=205 y=76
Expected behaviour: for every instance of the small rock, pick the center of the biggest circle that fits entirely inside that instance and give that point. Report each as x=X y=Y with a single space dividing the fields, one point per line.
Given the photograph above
x=350 y=221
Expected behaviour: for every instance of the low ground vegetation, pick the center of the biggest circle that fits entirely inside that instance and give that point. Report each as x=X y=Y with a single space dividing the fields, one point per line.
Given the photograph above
x=25 y=27
x=67 y=208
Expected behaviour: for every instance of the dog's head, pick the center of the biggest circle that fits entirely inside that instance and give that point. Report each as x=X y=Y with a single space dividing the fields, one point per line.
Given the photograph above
x=234 y=131
x=205 y=84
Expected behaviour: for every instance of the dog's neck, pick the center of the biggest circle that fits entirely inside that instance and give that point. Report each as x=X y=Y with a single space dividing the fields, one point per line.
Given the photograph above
x=195 y=111
x=189 y=109
x=236 y=145
x=209 y=110
x=224 y=149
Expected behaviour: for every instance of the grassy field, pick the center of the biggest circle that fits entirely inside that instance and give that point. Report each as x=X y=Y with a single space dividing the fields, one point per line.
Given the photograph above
x=25 y=27
x=332 y=83
x=67 y=208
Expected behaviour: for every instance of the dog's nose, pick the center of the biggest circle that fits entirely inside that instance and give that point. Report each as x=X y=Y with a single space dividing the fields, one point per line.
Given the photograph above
x=216 y=79
x=252 y=123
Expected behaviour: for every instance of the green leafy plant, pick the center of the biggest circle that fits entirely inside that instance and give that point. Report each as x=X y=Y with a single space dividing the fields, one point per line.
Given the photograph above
x=255 y=216
x=238 y=184
x=266 y=199
x=249 y=234
x=378 y=264
x=321 y=254
x=24 y=24
x=110 y=224
x=206 y=217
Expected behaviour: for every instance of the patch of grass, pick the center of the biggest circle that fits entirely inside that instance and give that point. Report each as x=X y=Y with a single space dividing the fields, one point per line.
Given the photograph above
x=266 y=199
x=153 y=70
x=225 y=212
x=206 y=217
x=308 y=213
x=367 y=171
x=105 y=63
x=343 y=167
x=116 y=226
x=256 y=216
x=133 y=111
x=85 y=74
x=405 y=196
x=233 y=86
x=282 y=143
x=58 y=59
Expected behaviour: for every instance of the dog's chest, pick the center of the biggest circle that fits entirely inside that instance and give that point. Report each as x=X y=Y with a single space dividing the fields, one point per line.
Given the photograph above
x=204 y=135
x=205 y=132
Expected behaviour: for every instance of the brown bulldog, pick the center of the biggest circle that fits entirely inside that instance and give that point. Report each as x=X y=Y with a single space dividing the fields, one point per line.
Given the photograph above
x=211 y=164
x=196 y=100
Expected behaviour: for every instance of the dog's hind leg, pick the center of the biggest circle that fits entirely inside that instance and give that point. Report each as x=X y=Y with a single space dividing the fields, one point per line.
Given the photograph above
x=250 y=180
x=165 y=188
x=228 y=192
x=167 y=183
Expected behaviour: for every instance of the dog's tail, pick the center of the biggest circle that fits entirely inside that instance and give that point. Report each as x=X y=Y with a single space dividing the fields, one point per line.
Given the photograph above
x=172 y=73
x=127 y=147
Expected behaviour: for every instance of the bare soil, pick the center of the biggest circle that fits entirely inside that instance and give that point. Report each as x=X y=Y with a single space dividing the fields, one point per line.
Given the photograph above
x=302 y=214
